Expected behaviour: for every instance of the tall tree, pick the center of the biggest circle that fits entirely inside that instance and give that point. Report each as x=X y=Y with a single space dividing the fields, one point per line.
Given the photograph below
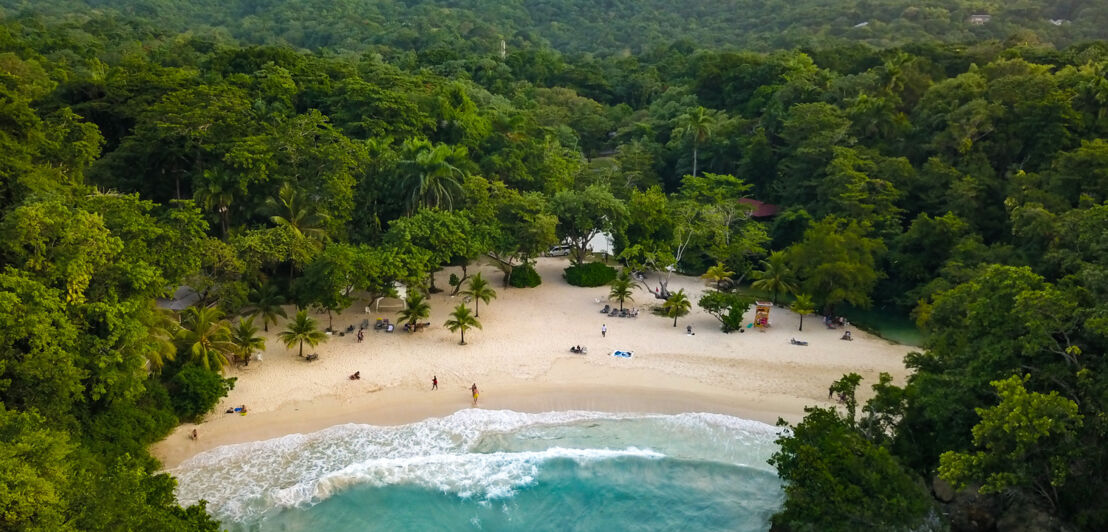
x=300 y=329
x=479 y=290
x=697 y=124
x=266 y=302
x=775 y=275
x=163 y=327
x=837 y=262
x=245 y=337
x=462 y=320
x=295 y=211
x=206 y=337
x=1029 y=440
x=329 y=279
x=445 y=236
x=522 y=227
x=431 y=179
x=583 y=214
x=835 y=478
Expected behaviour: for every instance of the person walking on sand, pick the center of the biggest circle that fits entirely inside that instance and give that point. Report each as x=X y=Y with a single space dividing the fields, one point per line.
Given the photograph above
x=604 y=330
x=474 y=390
x=435 y=382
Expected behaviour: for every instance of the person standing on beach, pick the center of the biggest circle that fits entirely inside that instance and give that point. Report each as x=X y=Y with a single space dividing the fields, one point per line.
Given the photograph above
x=435 y=382
x=604 y=330
x=474 y=390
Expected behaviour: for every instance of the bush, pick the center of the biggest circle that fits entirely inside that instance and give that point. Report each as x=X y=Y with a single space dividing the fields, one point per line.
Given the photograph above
x=726 y=307
x=127 y=428
x=524 y=276
x=195 y=391
x=590 y=274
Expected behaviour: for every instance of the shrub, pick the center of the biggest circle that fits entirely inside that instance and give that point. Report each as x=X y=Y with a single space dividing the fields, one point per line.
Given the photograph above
x=726 y=307
x=525 y=276
x=127 y=428
x=195 y=391
x=590 y=274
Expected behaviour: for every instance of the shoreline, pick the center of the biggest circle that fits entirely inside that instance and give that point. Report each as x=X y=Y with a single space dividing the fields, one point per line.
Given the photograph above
x=520 y=361
x=405 y=405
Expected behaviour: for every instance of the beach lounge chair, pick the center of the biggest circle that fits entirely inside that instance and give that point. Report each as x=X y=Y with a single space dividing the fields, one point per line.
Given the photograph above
x=311 y=357
x=794 y=341
x=606 y=309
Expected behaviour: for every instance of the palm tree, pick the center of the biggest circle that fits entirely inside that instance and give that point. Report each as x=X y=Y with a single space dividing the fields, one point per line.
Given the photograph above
x=431 y=180
x=622 y=287
x=415 y=308
x=266 y=301
x=462 y=320
x=698 y=124
x=163 y=327
x=294 y=211
x=718 y=273
x=217 y=195
x=206 y=336
x=775 y=275
x=302 y=329
x=246 y=339
x=479 y=290
x=677 y=305
x=803 y=305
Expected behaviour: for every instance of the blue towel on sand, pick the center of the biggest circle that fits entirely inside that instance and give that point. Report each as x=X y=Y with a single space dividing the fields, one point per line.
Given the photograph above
x=622 y=354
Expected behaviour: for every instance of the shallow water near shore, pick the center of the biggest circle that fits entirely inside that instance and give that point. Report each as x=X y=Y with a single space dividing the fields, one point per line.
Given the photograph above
x=498 y=470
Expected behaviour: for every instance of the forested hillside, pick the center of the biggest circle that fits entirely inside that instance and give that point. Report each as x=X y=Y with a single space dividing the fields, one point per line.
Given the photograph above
x=963 y=182
x=606 y=27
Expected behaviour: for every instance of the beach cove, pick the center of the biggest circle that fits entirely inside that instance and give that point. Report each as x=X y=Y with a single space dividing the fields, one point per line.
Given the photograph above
x=521 y=361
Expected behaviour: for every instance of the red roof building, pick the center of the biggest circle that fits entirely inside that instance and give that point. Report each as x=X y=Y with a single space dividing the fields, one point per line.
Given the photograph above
x=759 y=209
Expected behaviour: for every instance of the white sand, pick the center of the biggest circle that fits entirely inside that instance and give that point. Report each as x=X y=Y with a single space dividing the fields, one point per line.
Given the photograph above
x=520 y=360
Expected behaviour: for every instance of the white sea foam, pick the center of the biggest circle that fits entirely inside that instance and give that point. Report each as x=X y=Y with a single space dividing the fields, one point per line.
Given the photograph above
x=481 y=454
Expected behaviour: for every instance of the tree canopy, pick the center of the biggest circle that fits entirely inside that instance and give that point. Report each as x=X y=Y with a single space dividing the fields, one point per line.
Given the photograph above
x=259 y=154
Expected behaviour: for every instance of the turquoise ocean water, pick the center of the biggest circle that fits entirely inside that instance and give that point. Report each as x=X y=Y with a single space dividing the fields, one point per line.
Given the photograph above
x=498 y=470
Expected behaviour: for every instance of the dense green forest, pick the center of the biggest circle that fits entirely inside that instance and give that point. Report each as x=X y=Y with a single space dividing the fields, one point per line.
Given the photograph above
x=956 y=172
x=461 y=28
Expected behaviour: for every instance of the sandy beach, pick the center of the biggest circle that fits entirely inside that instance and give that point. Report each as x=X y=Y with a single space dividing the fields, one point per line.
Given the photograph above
x=520 y=361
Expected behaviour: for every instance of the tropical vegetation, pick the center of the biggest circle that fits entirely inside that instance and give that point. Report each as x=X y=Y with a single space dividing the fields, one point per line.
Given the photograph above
x=478 y=291
x=462 y=320
x=677 y=305
x=301 y=329
x=927 y=160
x=623 y=288
x=416 y=308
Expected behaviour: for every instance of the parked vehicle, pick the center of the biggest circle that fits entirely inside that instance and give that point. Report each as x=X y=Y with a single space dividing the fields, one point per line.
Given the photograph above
x=558 y=251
